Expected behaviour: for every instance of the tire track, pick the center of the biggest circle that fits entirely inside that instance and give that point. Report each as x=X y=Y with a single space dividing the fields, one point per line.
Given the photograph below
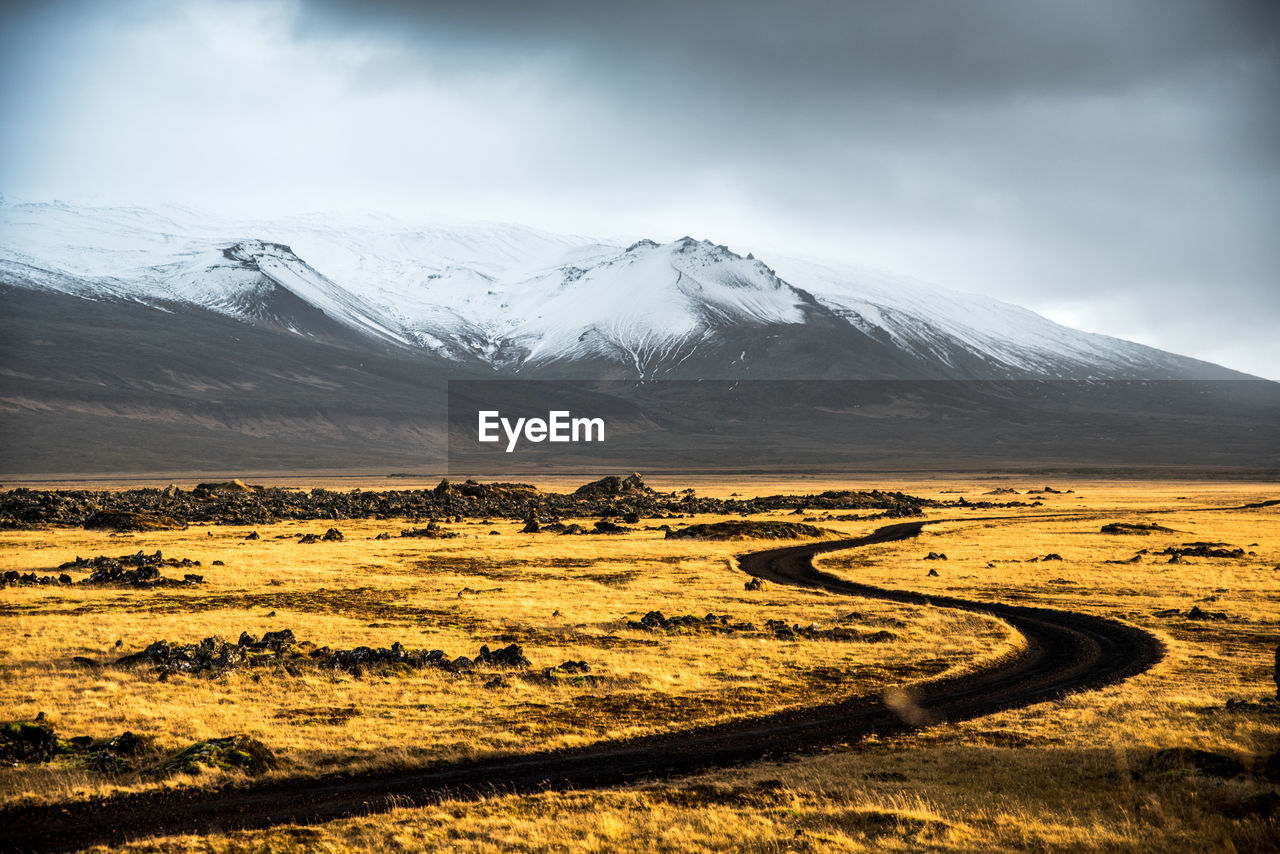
x=1065 y=652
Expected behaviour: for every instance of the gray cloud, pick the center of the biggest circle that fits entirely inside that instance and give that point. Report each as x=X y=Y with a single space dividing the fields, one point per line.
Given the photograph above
x=1113 y=164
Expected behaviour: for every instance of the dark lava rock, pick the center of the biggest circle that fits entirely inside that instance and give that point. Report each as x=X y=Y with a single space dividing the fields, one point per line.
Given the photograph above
x=232 y=753
x=253 y=535
x=933 y=573
x=754 y=584
x=124 y=520
x=604 y=526
x=612 y=486
x=615 y=497
x=32 y=743
x=1201 y=761
x=307 y=539
x=224 y=487
x=509 y=656
x=136 y=570
x=1202 y=550
x=333 y=535
x=935 y=556
x=743 y=529
x=27 y=742
x=431 y=532
x=724 y=624
x=1197 y=613
x=1137 y=528
x=278 y=640
x=13 y=578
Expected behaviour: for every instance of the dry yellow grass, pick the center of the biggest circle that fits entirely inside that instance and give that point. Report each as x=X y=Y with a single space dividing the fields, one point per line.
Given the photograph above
x=1055 y=776
x=561 y=598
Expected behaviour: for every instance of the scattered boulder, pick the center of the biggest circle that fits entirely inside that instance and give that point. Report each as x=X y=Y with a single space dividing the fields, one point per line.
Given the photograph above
x=725 y=624
x=935 y=556
x=135 y=570
x=1197 y=613
x=574 y=672
x=432 y=532
x=933 y=573
x=1142 y=529
x=604 y=526
x=508 y=656
x=333 y=535
x=1203 y=550
x=754 y=584
x=613 y=486
x=283 y=649
x=252 y=535
x=27 y=743
x=232 y=753
x=34 y=742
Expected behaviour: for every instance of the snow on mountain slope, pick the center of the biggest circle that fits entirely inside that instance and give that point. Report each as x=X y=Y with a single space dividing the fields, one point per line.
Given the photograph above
x=517 y=298
x=920 y=318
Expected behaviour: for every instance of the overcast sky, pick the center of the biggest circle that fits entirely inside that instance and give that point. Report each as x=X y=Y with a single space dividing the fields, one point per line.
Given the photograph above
x=1113 y=165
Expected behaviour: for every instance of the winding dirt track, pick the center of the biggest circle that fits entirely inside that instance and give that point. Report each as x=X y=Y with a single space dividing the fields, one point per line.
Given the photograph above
x=1066 y=652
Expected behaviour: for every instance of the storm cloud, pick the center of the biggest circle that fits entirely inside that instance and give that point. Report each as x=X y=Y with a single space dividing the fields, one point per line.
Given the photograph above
x=1114 y=165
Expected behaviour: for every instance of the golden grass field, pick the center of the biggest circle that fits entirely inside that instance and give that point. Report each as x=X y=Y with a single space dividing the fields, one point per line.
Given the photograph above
x=1065 y=775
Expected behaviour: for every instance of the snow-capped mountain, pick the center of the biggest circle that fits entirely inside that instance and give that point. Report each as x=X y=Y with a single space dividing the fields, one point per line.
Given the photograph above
x=136 y=340
x=519 y=301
